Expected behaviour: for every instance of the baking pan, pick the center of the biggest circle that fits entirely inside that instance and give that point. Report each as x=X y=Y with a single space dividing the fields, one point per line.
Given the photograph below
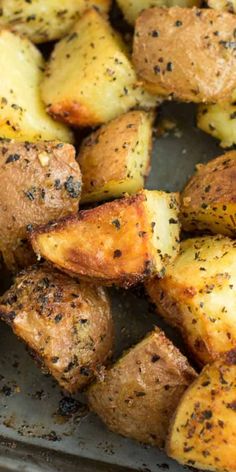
x=40 y=428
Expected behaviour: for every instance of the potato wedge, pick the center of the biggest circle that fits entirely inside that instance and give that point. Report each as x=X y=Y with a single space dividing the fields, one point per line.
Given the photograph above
x=187 y=54
x=42 y=20
x=90 y=79
x=66 y=323
x=121 y=242
x=197 y=295
x=115 y=159
x=226 y=5
x=22 y=113
x=133 y=8
x=138 y=395
x=202 y=434
x=39 y=182
x=219 y=121
x=208 y=202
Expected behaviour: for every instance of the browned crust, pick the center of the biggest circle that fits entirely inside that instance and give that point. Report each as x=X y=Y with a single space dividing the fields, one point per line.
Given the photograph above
x=73 y=113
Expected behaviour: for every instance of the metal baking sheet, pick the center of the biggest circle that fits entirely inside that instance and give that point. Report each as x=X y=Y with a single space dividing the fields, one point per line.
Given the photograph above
x=40 y=428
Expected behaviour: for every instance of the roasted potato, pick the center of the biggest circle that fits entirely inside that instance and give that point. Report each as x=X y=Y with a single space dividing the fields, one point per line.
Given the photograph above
x=90 y=79
x=208 y=202
x=42 y=20
x=66 y=323
x=227 y=5
x=197 y=296
x=115 y=159
x=219 y=121
x=133 y=8
x=202 y=434
x=39 y=182
x=22 y=113
x=138 y=395
x=187 y=54
x=121 y=242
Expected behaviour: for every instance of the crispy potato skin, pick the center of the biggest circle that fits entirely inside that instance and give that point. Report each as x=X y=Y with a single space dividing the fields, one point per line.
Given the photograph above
x=23 y=115
x=218 y=120
x=90 y=79
x=65 y=322
x=115 y=159
x=120 y=242
x=208 y=202
x=202 y=433
x=39 y=182
x=138 y=395
x=133 y=8
x=197 y=296
x=177 y=53
x=45 y=21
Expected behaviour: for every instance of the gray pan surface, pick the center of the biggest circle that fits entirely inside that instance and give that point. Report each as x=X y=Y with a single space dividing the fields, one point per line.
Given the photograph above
x=40 y=429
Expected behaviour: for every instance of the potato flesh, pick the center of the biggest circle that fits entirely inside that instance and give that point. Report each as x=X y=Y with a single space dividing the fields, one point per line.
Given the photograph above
x=44 y=21
x=115 y=159
x=90 y=79
x=138 y=395
x=23 y=116
x=177 y=54
x=209 y=199
x=66 y=323
x=120 y=242
x=226 y=5
x=219 y=121
x=197 y=295
x=203 y=430
x=133 y=8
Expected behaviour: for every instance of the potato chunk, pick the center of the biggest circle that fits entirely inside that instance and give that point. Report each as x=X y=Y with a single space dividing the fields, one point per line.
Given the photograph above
x=187 y=54
x=39 y=182
x=115 y=159
x=197 y=295
x=138 y=395
x=42 y=20
x=219 y=121
x=120 y=242
x=203 y=430
x=90 y=79
x=67 y=324
x=208 y=202
x=22 y=113
x=226 y=5
x=133 y=8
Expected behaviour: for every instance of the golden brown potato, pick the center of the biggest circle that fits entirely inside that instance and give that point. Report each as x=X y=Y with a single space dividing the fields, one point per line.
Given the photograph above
x=66 y=323
x=132 y=8
x=202 y=434
x=22 y=113
x=226 y=5
x=138 y=395
x=120 y=242
x=42 y=20
x=208 y=202
x=39 y=182
x=115 y=159
x=90 y=79
x=187 y=54
x=219 y=121
x=197 y=295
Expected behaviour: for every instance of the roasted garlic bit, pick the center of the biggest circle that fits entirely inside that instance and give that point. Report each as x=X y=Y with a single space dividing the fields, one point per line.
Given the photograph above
x=48 y=20
x=89 y=79
x=66 y=323
x=133 y=8
x=208 y=202
x=138 y=395
x=23 y=115
x=219 y=121
x=202 y=434
x=39 y=183
x=116 y=159
x=121 y=242
x=198 y=296
x=186 y=53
